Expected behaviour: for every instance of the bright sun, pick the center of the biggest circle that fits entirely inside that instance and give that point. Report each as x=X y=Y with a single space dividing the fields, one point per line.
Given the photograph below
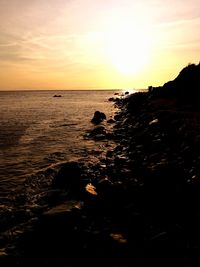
x=129 y=51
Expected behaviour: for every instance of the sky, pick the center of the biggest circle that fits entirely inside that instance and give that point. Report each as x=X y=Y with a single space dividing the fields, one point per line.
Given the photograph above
x=102 y=44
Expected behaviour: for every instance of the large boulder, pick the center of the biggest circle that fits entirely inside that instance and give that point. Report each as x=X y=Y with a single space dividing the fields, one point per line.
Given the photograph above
x=98 y=117
x=68 y=177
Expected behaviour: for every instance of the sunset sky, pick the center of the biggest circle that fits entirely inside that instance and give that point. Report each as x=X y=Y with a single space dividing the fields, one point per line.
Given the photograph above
x=88 y=44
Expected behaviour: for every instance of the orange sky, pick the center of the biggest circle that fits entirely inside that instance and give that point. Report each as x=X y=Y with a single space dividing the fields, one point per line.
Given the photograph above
x=88 y=44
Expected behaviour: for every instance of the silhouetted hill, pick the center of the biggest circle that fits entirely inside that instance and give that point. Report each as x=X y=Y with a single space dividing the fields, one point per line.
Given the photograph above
x=185 y=86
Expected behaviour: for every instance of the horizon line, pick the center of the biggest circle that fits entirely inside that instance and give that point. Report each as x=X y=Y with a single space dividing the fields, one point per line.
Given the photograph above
x=94 y=89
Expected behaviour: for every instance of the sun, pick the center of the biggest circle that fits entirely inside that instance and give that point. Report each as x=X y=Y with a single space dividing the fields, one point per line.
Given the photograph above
x=129 y=51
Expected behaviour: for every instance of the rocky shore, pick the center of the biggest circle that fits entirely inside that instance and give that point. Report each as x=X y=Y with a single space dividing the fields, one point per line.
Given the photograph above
x=139 y=204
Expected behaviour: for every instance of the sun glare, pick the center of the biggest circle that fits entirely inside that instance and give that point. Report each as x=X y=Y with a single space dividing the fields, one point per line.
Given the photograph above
x=129 y=51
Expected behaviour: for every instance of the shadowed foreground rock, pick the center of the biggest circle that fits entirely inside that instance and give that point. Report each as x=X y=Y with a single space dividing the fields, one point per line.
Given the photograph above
x=68 y=177
x=98 y=117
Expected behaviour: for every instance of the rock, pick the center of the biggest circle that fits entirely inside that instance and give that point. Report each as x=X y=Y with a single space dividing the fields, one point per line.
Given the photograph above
x=104 y=185
x=110 y=121
x=91 y=189
x=57 y=96
x=99 y=137
x=120 y=160
x=63 y=208
x=110 y=136
x=109 y=154
x=68 y=177
x=98 y=130
x=98 y=117
x=117 y=117
x=153 y=121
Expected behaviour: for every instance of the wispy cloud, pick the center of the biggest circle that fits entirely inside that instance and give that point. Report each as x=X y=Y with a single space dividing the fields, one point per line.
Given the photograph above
x=65 y=36
x=58 y=52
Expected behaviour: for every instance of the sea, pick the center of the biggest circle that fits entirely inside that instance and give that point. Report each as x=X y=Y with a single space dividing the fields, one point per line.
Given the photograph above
x=39 y=131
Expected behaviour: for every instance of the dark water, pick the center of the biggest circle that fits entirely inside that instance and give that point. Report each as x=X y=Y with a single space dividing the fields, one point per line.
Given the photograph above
x=38 y=130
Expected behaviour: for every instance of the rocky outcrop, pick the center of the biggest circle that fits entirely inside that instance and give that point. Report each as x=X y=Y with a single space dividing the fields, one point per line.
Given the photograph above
x=185 y=87
x=98 y=117
x=68 y=178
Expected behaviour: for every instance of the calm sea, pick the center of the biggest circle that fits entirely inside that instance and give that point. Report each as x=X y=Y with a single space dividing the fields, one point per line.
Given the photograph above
x=38 y=133
x=38 y=130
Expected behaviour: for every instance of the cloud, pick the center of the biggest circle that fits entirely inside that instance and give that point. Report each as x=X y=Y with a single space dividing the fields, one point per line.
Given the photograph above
x=47 y=53
x=65 y=36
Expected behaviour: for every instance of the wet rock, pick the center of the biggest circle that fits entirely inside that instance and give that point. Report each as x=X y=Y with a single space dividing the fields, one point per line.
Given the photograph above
x=98 y=130
x=117 y=117
x=110 y=121
x=63 y=208
x=110 y=136
x=99 y=137
x=68 y=177
x=109 y=154
x=121 y=160
x=21 y=199
x=118 y=148
x=153 y=121
x=52 y=196
x=91 y=189
x=57 y=96
x=98 y=117
x=104 y=185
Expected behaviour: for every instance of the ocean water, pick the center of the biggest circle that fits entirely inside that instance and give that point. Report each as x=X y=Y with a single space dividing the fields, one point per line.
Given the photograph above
x=39 y=131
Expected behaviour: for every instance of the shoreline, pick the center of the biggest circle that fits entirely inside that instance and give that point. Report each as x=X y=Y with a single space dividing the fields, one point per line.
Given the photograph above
x=139 y=204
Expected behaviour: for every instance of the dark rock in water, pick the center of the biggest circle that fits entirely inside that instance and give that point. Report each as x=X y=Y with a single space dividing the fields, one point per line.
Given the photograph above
x=110 y=121
x=57 y=96
x=61 y=210
x=68 y=177
x=104 y=186
x=98 y=130
x=126 y=93
x=117 y=117
x=98 y=117
x=99 y=137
